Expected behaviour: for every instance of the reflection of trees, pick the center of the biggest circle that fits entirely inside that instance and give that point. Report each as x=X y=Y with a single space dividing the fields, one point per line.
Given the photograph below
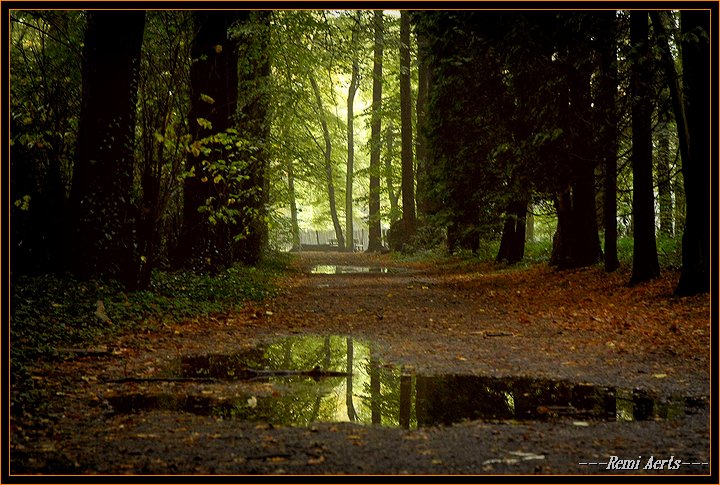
x=374 y=371
x=382 y=393
x=405 y=400
x=352 y=414
x=448 y=399
x=388 y=397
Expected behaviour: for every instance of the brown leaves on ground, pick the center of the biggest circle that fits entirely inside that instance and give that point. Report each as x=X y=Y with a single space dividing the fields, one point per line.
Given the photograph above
x=643 y=316
x=512 y=320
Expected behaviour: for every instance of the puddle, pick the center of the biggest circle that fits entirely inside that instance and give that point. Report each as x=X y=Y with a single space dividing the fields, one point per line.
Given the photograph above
x=340 y=269
x=369 y=392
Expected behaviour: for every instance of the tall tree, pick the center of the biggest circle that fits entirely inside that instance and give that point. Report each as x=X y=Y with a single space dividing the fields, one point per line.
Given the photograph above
x=645 y=260
x=320 y=109
x=607 y=140
x=664 y=175
x=349 y=176
x=393 y=193
x=695 y=275
x=163 y=97
x=512 y=242
x=678 y=188
x=45 y=88
x=251 y=37
x=577 y=242
x=408 y=177
x=295 y=228
x=102 y=216
x=213 y=102
x=375 y=228
x=421 y=152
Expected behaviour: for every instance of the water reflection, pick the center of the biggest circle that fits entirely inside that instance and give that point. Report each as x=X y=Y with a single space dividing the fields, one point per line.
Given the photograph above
x=340 y=269
x=371 y=393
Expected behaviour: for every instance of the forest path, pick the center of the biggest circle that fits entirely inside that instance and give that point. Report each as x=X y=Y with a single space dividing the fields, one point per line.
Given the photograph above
x=449 y=318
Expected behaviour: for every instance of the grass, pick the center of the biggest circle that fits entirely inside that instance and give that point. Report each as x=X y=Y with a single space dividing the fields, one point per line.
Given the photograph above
x=539 y=251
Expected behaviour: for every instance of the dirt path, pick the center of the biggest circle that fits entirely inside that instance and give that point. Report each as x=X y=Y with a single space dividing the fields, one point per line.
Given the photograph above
x=580 y=327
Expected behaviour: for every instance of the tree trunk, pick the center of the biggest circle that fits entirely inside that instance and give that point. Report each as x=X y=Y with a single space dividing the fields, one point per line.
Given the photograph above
x=695 y=274
x=352 y=414
x=214 y=92
x=393 y=195
x=679 y=203
x=576 y=241
x=253 y=126
x=530 y=225
x=375 y=389
x=375 y=228
x=408 y=178
x=663 y=177
x=101 y=239
x=350 y=242
x=328 y=162
x=405 y=401
x=512 y=243
x=608 y=138
x=645 y=261
x=676 y=92
x=421 y=152
x=295 y=228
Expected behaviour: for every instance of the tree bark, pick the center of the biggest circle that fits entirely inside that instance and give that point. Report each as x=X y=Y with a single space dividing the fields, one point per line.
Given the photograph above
x=695 y=274
x=664 y=177
x=328 y=161
x=608 y=139
x=253 y=126
x=214 y=93
x=530 y=225
x=350 y=242
x=393 y=195
x=645 y=261
x=512 y=243
x=576 y=242
x=408 y=177
x=375 y=228
x=102 y=226
x=679 y=203
x=676 y=92
x=294 y=227
x=421 y=152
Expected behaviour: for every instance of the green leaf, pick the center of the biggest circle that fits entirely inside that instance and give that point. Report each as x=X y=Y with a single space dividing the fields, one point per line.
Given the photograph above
x=204 y=123
x=23 y=203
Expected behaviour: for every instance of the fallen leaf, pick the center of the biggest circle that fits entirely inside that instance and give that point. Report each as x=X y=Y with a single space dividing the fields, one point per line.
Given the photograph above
x=316 y=461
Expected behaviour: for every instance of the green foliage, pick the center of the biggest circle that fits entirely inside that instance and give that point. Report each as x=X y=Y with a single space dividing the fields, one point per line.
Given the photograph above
x=50 y=312
x=44 y=106
x=228 y=161
x=669 y=251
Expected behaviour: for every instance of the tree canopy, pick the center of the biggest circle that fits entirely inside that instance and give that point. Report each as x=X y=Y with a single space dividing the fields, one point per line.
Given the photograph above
x=203 y=138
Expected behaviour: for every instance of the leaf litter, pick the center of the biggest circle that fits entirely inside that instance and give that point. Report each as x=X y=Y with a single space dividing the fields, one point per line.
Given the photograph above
x=527 y=322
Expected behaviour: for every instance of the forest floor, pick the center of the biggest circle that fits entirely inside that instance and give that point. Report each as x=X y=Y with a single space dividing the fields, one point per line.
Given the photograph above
x=427 y=319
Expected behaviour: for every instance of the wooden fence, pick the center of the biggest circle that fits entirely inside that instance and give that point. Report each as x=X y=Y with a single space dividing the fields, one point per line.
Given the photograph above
x=327 y=239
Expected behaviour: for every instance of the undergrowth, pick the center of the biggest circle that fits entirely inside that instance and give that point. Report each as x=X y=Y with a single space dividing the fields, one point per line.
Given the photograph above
x=669 y=254
x=49 y=312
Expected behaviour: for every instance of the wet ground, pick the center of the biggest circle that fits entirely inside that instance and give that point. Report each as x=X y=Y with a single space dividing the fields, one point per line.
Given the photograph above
x=365 y=366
